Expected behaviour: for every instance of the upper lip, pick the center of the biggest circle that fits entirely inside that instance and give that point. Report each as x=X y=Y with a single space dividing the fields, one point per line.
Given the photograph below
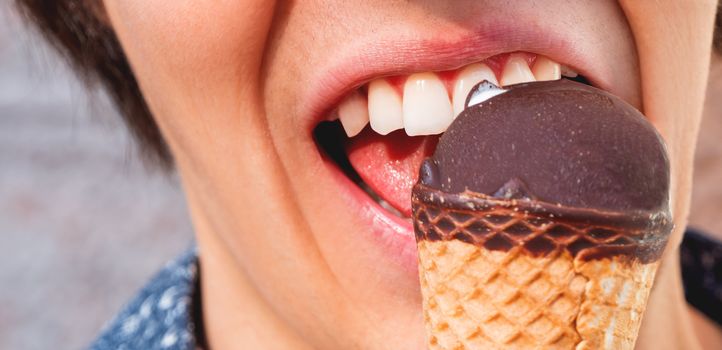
x=355 y=66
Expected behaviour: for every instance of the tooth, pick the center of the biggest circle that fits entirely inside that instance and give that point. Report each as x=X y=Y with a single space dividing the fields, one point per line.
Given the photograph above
x=546 y=69
x=467 y=78
x=353 y=113
x=568 y=72
x=516 y=71
x=384 y=107
x=426 y=107
x=332 y=117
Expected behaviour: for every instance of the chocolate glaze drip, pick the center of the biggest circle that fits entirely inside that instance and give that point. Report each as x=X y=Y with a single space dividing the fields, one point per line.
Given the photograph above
x=548 y=166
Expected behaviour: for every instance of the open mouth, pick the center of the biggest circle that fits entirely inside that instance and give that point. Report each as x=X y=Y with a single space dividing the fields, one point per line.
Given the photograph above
x=379 y=133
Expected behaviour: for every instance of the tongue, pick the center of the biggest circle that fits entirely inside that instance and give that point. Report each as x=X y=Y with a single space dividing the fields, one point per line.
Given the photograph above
x=389 y=164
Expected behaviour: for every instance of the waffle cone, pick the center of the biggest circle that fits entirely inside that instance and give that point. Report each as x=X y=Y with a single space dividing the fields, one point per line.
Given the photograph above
x=475 y=298
x=506 y=279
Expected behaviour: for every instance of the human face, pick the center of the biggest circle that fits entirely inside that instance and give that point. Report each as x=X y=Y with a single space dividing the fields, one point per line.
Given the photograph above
x=239 y=88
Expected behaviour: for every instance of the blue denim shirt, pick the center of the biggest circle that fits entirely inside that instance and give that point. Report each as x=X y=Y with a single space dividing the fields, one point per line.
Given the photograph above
x=162 y=315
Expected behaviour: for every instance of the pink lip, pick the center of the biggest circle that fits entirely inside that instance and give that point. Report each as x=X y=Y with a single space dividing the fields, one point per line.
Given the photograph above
x=391 y=232
x=377 y=59
x=401 y=57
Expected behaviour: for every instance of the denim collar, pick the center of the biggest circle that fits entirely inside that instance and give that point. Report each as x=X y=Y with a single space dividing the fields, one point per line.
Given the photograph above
x=161 y=315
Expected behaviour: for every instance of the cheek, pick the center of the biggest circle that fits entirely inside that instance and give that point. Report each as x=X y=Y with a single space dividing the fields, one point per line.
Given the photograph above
x=673 y=41
x=187 y=32
x=193 y=58
x=174 y=36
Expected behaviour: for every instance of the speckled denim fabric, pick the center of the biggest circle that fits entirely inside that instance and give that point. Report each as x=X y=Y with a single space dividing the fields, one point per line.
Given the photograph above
x=161 y=315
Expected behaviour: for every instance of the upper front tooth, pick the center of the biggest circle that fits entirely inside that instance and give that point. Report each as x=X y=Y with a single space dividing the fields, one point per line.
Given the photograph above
x=467 y=78
x=546 y=69
x=426 y=107
x=516 y=71
x=353 y=113
x=384 y=107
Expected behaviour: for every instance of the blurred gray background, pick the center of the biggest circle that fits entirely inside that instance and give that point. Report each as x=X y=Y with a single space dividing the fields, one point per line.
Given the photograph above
x=83 y=224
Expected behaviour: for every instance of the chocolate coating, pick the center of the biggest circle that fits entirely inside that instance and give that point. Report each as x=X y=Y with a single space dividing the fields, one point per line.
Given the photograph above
x=559 y=142
x=537 y=228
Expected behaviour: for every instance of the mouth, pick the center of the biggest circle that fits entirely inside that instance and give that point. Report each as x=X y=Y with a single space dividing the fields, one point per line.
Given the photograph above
x=377 y=109
x=380 y=132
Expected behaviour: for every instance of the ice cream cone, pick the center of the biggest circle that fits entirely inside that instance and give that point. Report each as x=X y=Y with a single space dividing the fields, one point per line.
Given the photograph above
x=521 y=274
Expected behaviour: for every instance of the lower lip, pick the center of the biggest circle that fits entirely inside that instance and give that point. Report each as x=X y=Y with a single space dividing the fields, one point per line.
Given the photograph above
x=392 y=234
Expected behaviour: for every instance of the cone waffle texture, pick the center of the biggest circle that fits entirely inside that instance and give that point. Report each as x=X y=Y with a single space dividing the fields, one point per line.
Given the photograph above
x=518 y=295
x=475 y=298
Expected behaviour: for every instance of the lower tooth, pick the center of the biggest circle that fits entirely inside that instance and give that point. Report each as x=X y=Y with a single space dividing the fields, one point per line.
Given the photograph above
x=382 y=202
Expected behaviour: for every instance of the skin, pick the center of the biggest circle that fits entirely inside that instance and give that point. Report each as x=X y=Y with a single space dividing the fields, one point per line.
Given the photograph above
x=229 y=84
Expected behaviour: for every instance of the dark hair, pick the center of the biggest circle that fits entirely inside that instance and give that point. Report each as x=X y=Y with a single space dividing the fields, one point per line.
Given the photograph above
x=80 y=31
x=718 y=30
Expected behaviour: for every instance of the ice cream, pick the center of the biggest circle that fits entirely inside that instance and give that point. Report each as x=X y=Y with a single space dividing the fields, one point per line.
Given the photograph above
x=540 y=220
